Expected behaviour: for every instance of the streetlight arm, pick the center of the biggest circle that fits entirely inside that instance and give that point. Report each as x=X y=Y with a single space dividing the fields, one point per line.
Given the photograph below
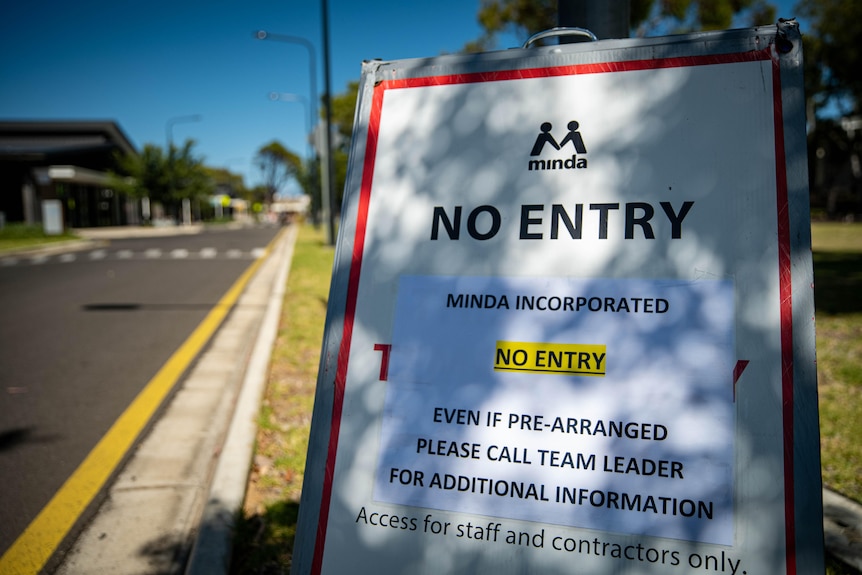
x=265 y=35
x=288 y=97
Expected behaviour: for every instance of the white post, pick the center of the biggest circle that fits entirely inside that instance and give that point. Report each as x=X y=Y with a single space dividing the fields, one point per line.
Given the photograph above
x=52 y=217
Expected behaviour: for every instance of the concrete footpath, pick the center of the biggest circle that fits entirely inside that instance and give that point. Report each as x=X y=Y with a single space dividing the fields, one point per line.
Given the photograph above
x=171 y=508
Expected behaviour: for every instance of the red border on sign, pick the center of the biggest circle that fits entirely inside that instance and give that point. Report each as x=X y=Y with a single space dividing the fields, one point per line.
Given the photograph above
x=785 y=282
x=784 y=267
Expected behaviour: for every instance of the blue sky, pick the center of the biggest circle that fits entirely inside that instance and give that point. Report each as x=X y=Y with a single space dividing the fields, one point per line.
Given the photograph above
x=148 y=64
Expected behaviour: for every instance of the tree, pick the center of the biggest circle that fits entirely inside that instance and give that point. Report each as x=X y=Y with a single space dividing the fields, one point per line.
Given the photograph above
x=833 y=167
x=833 y=47
x=833 y=90
x=278 y=165
x=343 y=111
x=524 y=18
x=164 y=178
x=226 y=182
x=187 y=176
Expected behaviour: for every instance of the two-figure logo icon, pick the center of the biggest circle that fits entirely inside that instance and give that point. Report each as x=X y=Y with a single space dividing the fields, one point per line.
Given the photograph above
x=545 y=137
x=576 y=161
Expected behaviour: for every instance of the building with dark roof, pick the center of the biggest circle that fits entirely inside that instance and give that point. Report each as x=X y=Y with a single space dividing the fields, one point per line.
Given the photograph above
x=67 y=161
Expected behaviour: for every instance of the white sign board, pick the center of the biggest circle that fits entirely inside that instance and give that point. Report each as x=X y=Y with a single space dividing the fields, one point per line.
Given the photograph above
x=52 y=217
x=570 y=323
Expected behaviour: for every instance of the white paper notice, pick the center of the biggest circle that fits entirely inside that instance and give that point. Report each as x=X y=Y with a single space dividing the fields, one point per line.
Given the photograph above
x=596 y=403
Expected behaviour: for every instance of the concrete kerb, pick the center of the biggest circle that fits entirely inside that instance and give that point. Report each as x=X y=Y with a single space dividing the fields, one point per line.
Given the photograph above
x=211 y=554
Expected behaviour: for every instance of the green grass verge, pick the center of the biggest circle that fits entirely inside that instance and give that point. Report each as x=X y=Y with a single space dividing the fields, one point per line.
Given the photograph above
x=20 y=236
x=838 y=281
x=836 y=237
x=837 y=285
x=266 y=531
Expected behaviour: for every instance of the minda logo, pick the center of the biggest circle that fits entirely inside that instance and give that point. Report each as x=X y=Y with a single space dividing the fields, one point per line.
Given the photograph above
x=563 y=161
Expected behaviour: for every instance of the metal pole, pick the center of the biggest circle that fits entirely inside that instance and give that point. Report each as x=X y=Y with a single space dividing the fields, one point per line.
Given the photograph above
x=604 y=18
x=327 y=102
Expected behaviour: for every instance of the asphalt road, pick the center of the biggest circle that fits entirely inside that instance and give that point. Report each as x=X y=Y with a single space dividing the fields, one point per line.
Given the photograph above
x=82 y=333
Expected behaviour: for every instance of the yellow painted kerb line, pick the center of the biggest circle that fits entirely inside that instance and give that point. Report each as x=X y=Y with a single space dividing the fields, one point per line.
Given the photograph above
x=29 y=553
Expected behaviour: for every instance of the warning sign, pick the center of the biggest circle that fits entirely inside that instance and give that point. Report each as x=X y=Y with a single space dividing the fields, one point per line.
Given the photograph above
x=571 y=317
x=642 y=444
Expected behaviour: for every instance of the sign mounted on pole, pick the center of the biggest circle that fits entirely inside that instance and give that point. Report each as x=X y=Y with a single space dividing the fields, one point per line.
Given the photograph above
x=570 y=327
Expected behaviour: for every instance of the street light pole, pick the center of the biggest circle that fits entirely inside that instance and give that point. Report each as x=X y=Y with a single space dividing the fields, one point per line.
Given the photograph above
x=312 y=62
x=169 y=135
x=312 y=72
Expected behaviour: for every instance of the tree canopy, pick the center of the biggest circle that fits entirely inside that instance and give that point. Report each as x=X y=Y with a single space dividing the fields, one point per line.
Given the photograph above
x=524 y=18
x=833 y=90
x=833 y=47
x=166 y=177
x=278 y=165
x=832 y=33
